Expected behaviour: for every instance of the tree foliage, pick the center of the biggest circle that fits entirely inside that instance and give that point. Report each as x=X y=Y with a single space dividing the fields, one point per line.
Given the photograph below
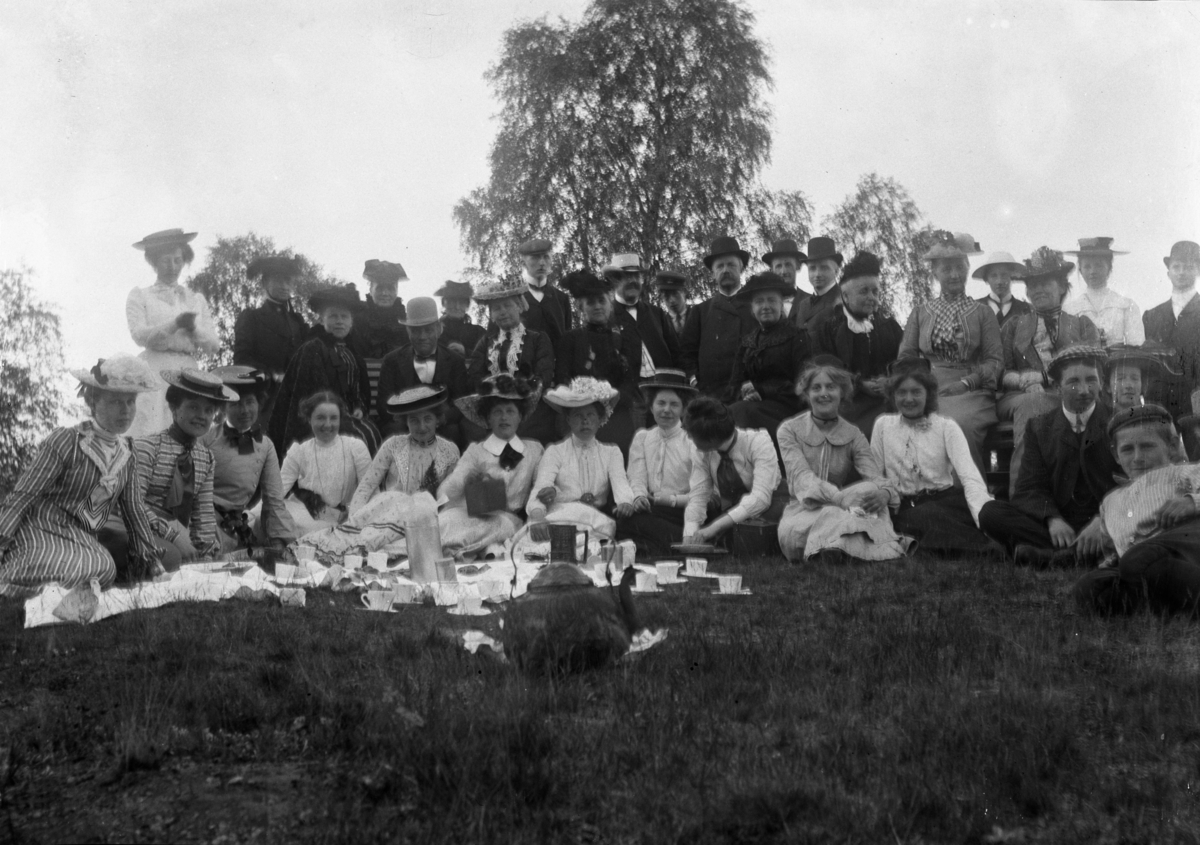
x=31 y=367
x=641 y=128
x=881 y=217
x=223 y=282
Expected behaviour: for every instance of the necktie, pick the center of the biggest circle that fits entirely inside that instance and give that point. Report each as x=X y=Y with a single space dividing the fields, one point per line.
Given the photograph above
x=729 y=483
x=244 y=440
x=183 y=481
x=1080 y=425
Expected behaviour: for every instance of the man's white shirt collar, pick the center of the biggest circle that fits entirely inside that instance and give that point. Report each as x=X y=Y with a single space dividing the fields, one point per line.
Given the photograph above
x=1085 y=415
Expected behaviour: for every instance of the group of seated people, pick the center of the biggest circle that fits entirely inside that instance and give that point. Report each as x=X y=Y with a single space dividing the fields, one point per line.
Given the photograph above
x=864 y=453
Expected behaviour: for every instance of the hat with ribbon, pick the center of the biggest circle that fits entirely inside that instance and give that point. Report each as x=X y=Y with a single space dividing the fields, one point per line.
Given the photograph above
x=581 y=392
x=951 y=245
x=422 y=311
x=1079 y=353
x=583 y=283
x=242 y=379
x=165 y=238
x=784 y=248
x=725 y=245
x=669 y=379
x=1095 y=246
x=1139 y=415
x=1184 y=251
x=822 y=248
x=666 y=280
x=120 y=374
x=455 y=290
x=862 y=264
x=535 y=246
x=998 y=260
x=494 y=289
x=524 y=392
x=273 y=267
x=341 y=296
x=376 y=270
x=763 y=282
x=199 y=383
x=423 y=397
x=1045 y=263
x=1152 y=358
x=623 y=262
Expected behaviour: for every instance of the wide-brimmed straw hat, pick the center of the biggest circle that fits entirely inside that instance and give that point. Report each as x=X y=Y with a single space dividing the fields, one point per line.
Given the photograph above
x=1095 y=246
x=494 y=289
x=668 y=379
x=199 y=383
x=377 y=270
x=422 y=311
x=525 y=392
x=423 y=397
x=581 y=392
x=165 y=238
x=1045 y=263
x=1000 y=260
x=951 y=245
x=455 y=290
x=762 y=282
x=241 y=378
x=343 y=296
x=1075 y=353
x=120 y=374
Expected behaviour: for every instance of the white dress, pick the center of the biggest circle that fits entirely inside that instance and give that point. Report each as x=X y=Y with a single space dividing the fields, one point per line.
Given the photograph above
x=331 y=469
x=151 y=314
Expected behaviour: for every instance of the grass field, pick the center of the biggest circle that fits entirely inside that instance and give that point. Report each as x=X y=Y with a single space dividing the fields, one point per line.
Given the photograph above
x=923 y=702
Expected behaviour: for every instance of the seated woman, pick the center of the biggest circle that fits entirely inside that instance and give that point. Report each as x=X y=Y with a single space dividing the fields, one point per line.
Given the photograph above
x=247 y=491
x=1133 y=371
x=762 y=387
x=320 y=475
x=51 y=522
x=501 y=404
x=660 y=466
x=839 y=504
x=327 y=362
x=734 y=470
x=581 y=481
x=961 y=338
x=1031 y=340
x=175 y=469
x=921 y=452
x=1151 y=525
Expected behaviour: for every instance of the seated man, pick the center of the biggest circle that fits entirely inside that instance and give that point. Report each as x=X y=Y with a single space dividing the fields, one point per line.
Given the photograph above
x=1151 y=523
x=1067 y=471
x=422 y=361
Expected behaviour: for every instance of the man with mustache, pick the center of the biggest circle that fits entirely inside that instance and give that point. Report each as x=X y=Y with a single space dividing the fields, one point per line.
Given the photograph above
x=660 y=346
x=823 y=263
x=714 y=328
x=547 y=309
x=1176 y=324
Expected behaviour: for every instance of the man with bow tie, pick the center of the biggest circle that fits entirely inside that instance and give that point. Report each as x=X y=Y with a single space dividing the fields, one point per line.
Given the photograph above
x=423 y=361
x=247 y=491
x=548 y=309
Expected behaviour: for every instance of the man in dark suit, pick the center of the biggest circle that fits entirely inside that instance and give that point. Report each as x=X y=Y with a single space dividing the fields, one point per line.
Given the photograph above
x=660 y=346
x=715 y=327
x=458 y=332
x=823 y=262
x=423 y=361
x=1176 y=324
x=266 y=337
x=1067 y=470
x=547 y=309
x=784 y=261
x=998 y=271
x=672 y=289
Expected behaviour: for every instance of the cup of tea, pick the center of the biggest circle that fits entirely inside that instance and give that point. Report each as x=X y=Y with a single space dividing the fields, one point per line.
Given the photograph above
x=469 y=605
x=405 y=593
x=352 y=561
x=647 y=581
x=729 y=583
x=628 y=552
x=668 y=571
x=696 y=566
x=306 y=553
x=378 y=600
x=292 y=597
x=286 y=572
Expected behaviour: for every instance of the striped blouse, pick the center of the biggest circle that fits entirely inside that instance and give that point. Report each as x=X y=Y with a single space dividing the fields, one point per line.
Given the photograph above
x=156 y=456
x=1129 y=514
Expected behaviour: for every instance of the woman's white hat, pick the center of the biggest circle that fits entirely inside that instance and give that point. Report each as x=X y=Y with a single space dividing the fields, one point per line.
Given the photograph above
x=121 y=374
x=1001 y=260
x=581 y=392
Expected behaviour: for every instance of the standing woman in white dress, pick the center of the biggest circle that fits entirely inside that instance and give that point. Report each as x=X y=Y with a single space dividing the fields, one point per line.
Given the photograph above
x=169 y=321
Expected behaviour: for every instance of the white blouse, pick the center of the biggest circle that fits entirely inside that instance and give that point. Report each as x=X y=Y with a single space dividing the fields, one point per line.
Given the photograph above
x=482 y=460
x=402 y=465
x=332 y=469
x=574 y=468
x=1118 y=317
x=151 y=313
x=925 y=456
x=660 y=462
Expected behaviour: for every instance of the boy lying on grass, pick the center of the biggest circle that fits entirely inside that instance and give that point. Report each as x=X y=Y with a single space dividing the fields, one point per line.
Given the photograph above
x=1151 y=523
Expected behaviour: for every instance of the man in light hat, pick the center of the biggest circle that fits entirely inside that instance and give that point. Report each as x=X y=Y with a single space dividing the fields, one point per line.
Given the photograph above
x=1118 y=317
x=422 y=361
x=548 y=309
x=672 y=289
x=380 y=327
x=715 y=327
x=1176 y=324
x=823 y=262
x=458 y=332
x=660 y=346
x=784 y=260
x=998 y=270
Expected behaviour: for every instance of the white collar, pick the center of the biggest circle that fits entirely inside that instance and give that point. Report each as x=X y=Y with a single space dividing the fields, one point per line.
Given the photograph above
x=1086 y=415
x=579 y=444
x=856 y=325
x=670 y=433
x=532 y=282
x=494 y=445
x=1008 y=299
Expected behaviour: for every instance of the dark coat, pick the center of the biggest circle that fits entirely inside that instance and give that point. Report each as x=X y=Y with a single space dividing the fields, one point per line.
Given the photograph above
x=397 y=373
x=461 y=331
x=314 y=367
x=1183 y=335
x=377 y=330
x=771 y=359
x=1016 y=339
x=267 y=337
x=867 y=356
x=553 y=316
x=613 y=355
x=651 y=328
x=1057 y=477
x=806 y=312
x=1018 y=306
x=536 y=353
x=711 y=338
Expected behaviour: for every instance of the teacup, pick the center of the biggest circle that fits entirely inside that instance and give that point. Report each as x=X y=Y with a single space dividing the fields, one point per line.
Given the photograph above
x=668 y=571
x=292 y=597
x=286 y=572
x=377 y=560
x=628 y=552
x=447 y=571
x=306 y=553
x=730 y=583
x=378 y=600
x=647 y=581
x=469 y=604
x=405 y=593
x=492 y=589
x=697 y=566
x=352 y=561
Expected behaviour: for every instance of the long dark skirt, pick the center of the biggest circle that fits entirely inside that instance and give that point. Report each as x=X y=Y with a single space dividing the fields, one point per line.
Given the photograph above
x=654 y=530
x=942 y=525
x=1163 y=572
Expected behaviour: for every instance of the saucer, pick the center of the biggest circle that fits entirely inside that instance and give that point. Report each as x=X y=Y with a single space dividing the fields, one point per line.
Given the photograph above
x=668 y=583
x=647 y=592
x=454 y=611
x=745 y=591
x=368 y=610
x=700 y=575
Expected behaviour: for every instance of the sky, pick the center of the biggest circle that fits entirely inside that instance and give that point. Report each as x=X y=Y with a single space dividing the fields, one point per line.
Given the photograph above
x=348 y=130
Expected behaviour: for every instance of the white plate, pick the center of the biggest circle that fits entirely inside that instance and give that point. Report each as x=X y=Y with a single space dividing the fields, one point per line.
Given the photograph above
x=368 y=610
x=705 y=575
x=745 y=591
x=454 y=611
x=646 y=592
x=676 y=581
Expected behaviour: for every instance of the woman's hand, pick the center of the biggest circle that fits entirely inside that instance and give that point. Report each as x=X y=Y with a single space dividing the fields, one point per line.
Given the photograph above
x=641 y=503
x=623 y=510
x=186 y=321
x=875 y=501
x=457 y=347
x=693 y=539
x=750 y=393
x=954 y=388
x=539 y=532
x=873 y=386
x=547 y=495
x=187 y=551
